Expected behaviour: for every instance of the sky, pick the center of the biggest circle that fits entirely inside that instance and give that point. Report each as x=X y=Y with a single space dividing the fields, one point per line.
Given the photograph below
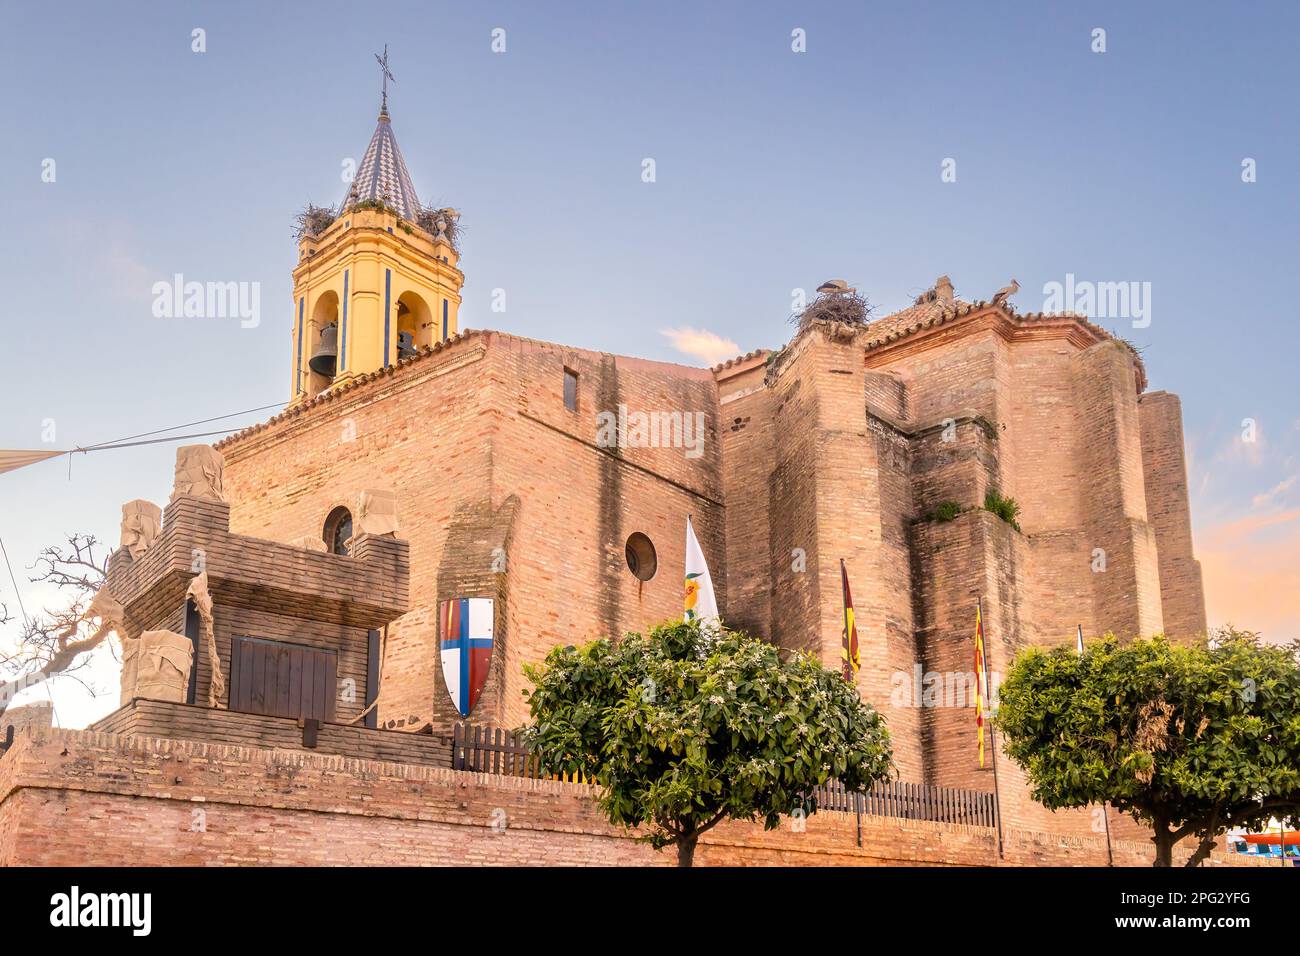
x=885 y=143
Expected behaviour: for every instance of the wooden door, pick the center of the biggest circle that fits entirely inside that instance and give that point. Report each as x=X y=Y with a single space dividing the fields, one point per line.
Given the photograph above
x=282 y=679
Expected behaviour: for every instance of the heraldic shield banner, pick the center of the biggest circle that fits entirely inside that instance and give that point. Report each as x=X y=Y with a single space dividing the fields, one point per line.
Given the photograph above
x=465 y=640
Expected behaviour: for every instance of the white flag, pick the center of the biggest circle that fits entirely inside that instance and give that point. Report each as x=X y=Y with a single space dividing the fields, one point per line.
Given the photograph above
x=701 y=605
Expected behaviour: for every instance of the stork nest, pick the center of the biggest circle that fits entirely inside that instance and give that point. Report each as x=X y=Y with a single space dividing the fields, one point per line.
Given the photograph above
x=428 y=221
x=842 y=312
x=312 y=221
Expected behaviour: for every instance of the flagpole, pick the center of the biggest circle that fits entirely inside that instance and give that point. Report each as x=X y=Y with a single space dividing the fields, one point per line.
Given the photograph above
x=1105 y=812
x=846 y=668
x=993 y=740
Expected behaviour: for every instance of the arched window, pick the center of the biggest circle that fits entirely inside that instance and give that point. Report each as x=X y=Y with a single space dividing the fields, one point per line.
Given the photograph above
x=338 y=530
x=641 y=558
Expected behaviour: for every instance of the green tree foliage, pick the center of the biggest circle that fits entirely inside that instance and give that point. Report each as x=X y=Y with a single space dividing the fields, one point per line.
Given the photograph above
x=1191 y=740
x=685 y=728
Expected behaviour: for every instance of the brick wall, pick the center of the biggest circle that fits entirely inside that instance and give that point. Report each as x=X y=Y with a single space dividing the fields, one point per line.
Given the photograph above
x=1164 y=467
x=502 y=492
x=829 y=449
x=283 y=481
x=156 y=718
x=1127 y=592
x=580 y=501
x=757 y=564
x=81 y=798
x=37 y=714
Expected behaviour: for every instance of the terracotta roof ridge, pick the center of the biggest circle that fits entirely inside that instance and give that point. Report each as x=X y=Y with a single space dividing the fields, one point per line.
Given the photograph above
x=731 y=362
x=960 y=310
x=329 y=394
x=886 y=336
x=560 y=346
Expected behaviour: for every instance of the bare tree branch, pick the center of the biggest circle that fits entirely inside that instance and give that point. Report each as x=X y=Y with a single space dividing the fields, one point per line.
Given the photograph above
x=51 y=643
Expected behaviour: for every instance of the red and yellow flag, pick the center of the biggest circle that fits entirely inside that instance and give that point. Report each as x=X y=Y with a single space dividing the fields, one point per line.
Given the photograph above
x=979 y=680
x=849 y=651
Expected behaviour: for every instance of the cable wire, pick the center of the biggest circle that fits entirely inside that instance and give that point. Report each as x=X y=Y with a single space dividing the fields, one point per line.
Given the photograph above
x=157 y=431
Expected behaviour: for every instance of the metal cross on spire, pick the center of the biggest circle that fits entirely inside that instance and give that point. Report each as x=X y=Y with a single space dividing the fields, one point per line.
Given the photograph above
x=383 y=65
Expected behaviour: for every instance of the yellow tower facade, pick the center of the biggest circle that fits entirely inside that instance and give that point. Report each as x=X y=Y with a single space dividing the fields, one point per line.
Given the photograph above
x=377 y=280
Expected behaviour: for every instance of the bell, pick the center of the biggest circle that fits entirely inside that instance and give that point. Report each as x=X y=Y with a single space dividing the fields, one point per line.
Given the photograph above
x=324 y=360
x=405 y=345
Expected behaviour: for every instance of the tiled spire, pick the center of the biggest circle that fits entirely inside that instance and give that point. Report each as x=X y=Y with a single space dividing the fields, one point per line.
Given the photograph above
x=382 y=174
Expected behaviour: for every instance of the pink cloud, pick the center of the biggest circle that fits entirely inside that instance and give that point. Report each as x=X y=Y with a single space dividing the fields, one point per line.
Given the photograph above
x=1251 y=570
x=708 y=347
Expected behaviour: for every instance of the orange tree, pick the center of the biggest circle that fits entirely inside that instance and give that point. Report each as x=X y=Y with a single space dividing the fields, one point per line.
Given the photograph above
x=1191 y=740
x=688 y=726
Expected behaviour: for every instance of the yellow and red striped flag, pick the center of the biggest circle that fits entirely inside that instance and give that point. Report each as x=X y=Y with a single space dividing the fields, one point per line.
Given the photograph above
x=849 y=651
x=979 y=679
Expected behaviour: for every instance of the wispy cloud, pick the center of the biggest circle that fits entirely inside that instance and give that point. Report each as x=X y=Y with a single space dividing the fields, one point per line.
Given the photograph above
x=1268 y=497
x=1239 y=451
x=708 y=347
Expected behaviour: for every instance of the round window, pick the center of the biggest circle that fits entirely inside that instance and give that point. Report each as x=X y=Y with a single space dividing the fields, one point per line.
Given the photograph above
x=338 y=530
x=641 y=558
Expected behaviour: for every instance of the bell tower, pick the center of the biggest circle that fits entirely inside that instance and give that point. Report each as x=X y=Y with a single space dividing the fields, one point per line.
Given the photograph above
x=377 y=278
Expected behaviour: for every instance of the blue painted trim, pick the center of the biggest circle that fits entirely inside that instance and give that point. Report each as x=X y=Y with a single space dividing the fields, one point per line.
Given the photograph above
x=388 y=291
x=455 y=642
x=343 y=331
x=464 y=658
x=297 y=382
x=444 y=320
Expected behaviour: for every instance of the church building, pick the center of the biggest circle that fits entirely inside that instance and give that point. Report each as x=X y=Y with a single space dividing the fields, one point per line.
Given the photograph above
x=875 y=443
x=337 y=604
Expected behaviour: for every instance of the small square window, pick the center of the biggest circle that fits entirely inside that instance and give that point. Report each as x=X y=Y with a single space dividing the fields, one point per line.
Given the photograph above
x=570 y=389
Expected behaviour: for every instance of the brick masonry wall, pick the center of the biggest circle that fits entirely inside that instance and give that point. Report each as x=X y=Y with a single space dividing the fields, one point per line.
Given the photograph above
x=1053 y=421
x=861 y=492
x=503 y=493
x=38 y=714
x=822 y=452
x=156 y=718
x=80 y=798
x=748 y=439
x=436 y=455
x=580 y=501
x=796 y=558
x=1164 y=466
x=1127 y=593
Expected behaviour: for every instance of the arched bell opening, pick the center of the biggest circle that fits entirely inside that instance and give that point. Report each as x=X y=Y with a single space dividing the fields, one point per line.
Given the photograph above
x=414 y=325
x=323 y=334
